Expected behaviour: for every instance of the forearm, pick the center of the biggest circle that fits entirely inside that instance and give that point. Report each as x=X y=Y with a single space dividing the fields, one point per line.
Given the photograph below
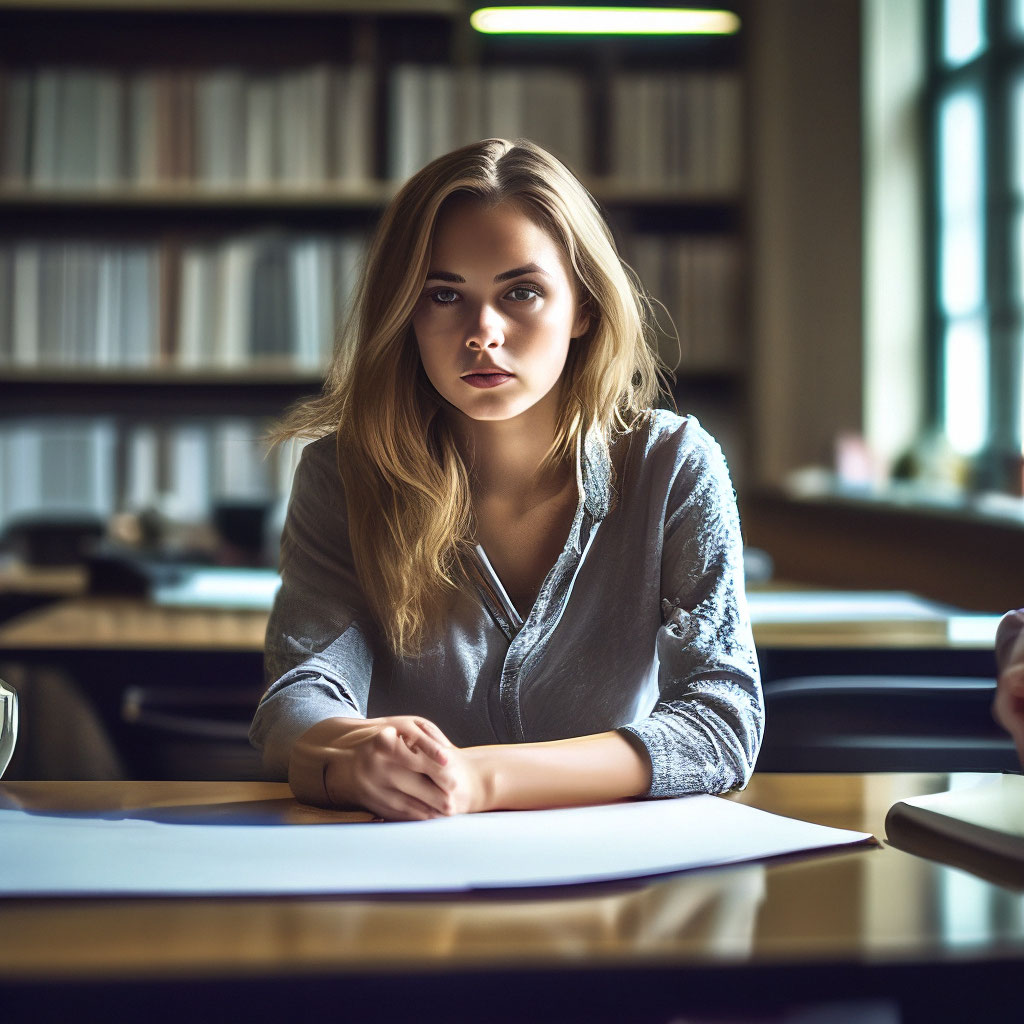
x=308 y=761
x=561 y=773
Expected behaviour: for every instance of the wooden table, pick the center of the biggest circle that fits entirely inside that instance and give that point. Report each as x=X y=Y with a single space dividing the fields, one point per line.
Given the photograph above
x=747 y=940
x=130 y=623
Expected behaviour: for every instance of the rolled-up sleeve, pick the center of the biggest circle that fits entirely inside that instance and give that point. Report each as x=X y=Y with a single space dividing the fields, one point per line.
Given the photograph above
x=705 y=730
x=318 y=657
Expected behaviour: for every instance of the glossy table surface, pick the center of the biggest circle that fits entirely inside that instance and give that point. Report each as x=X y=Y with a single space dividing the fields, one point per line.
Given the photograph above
x=867 y=905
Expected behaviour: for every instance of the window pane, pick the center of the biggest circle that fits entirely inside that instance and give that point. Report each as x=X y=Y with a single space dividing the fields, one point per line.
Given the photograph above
x=960 y=149
x=961 y=255
x=966 y=398
x=961 y=227
x=963 y=30
x=1017 y=17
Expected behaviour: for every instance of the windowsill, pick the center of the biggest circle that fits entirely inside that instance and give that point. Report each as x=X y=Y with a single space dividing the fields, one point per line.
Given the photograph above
x=964 y=550
x=912 y=498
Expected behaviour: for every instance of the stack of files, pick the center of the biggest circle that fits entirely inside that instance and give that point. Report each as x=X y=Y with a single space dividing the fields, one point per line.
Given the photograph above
x=185 y=468
x=78 y=304
x=436 y=108
x=678 y=131
x=101 y=466
x=264 y=298
x=222 y=127
x=57 y=465
x=698 y=283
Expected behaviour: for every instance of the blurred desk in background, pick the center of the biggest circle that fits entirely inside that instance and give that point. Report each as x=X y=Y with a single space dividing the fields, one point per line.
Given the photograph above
x=734 y=943
x=172 y=680
x=228 y=609
x=169 y=691
x=876 y=681
x=24 y=588
x=91 y=625
x=804 y=631
x=56 y=581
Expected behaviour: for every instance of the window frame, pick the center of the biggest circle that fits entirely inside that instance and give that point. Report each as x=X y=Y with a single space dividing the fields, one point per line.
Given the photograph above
x=994 y=73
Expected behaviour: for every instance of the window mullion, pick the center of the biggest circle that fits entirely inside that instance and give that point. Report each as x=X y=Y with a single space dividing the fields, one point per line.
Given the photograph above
x=1001 y=452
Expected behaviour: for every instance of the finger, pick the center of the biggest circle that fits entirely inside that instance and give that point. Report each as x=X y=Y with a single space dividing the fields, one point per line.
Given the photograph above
x=421 y=740
x=421 y=788
x=415 y=760
x=400 y=807
x=433 y=731
x=404 y=792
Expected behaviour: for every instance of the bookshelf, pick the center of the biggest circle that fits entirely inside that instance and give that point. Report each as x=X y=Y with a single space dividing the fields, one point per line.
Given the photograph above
x=187 y=186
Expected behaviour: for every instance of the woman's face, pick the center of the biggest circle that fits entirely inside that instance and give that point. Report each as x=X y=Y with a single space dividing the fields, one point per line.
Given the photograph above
x=498 y=312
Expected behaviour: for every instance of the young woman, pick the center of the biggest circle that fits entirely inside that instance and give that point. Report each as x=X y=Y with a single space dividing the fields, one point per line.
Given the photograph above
x=506 y=583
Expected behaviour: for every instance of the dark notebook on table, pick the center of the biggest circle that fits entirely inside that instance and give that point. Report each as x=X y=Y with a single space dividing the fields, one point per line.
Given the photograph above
x=979 y=828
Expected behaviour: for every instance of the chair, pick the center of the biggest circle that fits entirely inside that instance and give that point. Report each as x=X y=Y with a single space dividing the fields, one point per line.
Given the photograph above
x=883 y=723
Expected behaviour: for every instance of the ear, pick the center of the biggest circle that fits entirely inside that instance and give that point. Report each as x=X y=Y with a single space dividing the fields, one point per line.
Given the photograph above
x=581 y=324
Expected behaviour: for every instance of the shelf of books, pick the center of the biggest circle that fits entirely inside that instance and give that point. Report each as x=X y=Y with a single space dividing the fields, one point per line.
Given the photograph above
x=185 y=221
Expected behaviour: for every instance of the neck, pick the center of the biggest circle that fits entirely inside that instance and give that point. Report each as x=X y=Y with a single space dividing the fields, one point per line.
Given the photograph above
x=506 y=456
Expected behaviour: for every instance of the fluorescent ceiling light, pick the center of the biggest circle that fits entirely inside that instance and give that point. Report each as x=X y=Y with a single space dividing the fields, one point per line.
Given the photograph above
x=634 y=21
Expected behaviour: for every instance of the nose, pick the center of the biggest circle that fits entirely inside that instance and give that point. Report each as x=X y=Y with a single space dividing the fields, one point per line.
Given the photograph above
x=486 y=331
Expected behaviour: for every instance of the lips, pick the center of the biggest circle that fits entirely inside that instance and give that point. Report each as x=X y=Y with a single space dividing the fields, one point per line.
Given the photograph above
x=489 y=378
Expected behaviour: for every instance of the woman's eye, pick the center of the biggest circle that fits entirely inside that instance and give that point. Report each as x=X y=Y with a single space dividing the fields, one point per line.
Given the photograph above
x=523 y=293
x=444 y=296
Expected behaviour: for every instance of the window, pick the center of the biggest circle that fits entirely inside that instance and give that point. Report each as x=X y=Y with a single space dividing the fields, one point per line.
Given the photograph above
x=976 y=104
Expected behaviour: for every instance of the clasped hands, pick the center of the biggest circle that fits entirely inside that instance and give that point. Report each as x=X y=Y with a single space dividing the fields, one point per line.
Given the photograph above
x=400 y=767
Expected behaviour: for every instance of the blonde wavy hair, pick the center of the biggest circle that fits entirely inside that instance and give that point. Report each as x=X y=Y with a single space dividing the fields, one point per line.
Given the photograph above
x=407 y=486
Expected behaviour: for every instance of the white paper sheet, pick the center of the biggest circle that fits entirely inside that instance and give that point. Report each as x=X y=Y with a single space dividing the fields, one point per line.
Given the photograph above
x=47 y=855
x=249 y=589
x=973 y=630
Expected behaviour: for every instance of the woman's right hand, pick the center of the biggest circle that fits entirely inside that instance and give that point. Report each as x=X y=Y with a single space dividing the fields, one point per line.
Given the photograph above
x=393 y=766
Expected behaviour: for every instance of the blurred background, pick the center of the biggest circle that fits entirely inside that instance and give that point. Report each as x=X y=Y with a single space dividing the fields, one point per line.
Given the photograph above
x=825 y=196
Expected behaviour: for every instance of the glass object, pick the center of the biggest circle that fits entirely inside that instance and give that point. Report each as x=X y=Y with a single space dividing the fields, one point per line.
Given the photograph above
x=963 y=30
x=8 y=725
x=965 y=401
x=1017 y=17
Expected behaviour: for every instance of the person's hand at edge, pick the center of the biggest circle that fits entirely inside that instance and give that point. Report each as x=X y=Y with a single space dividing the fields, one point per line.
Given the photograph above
x=1008 y=705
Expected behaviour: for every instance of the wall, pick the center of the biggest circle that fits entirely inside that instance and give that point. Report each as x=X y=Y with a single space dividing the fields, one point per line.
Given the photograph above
x=806 y=227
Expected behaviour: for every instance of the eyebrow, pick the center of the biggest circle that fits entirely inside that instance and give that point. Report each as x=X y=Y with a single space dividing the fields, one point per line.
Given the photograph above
x=506 y=275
